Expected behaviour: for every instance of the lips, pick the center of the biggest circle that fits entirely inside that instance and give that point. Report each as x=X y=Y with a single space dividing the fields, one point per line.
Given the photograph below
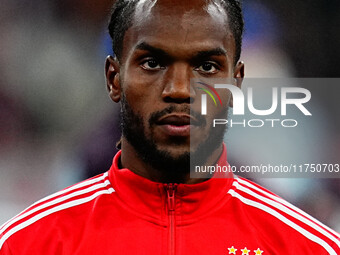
x=177 y=120
x=177 y=124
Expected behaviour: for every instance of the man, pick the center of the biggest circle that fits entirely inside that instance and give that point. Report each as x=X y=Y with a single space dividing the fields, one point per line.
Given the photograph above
x=148 y=203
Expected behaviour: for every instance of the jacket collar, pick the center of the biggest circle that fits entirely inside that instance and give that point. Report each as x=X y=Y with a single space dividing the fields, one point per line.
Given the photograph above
x=149 y=199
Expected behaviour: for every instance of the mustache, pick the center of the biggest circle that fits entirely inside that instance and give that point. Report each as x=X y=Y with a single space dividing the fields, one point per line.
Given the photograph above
x=177 y=109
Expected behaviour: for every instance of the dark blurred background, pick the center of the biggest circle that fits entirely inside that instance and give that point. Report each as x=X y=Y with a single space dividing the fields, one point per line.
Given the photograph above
x=58 y=126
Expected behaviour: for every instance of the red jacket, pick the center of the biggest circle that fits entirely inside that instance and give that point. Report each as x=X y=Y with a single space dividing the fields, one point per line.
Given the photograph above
x=119 y=212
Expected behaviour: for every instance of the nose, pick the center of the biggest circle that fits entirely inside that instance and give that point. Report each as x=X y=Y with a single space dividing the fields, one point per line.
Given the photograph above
x=177 y=87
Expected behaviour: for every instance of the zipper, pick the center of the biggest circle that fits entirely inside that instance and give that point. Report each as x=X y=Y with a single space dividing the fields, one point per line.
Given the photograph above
x=170 y=193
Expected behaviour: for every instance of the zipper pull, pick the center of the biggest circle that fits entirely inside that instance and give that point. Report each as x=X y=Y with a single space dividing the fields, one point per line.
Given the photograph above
x=170 y=190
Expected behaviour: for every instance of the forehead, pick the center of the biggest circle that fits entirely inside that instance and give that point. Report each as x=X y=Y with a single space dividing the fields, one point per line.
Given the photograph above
x=179 y=25
x=146 y=9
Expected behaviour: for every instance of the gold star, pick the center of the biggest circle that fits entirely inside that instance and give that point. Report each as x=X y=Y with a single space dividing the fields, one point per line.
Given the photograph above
x=258 y=251
x=232 y=250
x=245 y=251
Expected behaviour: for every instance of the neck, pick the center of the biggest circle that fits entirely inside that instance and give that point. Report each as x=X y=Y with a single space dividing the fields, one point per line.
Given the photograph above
x=132 y=161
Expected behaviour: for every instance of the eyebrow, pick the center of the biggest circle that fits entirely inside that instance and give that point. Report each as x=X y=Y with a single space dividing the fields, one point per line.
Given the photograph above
x=199 y=55
x=156 y=51
x=213 y=52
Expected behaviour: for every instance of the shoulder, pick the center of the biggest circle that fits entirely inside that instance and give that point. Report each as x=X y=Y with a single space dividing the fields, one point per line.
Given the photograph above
x=280 y=216
x=43 y=214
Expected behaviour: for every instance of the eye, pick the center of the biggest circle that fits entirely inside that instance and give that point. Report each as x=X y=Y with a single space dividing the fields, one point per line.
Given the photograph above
x=151 y=64
x=208 y=68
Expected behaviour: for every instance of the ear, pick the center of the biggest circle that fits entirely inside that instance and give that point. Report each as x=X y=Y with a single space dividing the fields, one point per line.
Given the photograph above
x=112 y=78
x=238 y=77
x=239 y=73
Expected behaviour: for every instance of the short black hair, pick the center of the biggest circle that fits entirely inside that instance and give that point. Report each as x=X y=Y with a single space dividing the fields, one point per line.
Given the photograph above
x=122 y=15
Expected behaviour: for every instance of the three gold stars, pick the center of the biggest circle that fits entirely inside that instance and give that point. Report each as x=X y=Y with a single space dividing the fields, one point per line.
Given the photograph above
x=245 y=251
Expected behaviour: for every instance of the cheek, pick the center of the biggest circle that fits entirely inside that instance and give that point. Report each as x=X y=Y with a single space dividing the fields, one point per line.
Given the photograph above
x=140 y=98
x=139 y=85
x=134 y=90
x=220 y=111
x=225 y=97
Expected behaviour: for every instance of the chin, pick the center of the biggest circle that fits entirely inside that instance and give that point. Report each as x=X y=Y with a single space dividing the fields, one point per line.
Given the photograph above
x=175 y=151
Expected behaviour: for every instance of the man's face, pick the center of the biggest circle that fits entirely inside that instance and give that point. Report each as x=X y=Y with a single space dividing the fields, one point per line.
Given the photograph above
x=170 y=43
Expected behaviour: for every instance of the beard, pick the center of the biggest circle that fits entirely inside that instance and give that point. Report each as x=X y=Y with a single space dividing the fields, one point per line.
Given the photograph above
x=173 y=169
